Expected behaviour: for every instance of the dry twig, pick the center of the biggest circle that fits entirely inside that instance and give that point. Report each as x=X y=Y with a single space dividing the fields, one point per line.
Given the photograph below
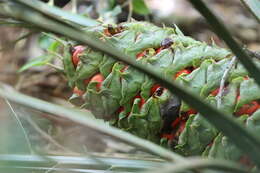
x=223 y=80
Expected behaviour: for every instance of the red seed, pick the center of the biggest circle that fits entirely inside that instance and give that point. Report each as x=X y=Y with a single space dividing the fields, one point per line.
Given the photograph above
x=246 y=78
x=154 y=88
x=182 y=126
x=238 y=96
x=111 y=30
x=245 y=160
x=176 y=122
x=124 y=68
x=78 y=91
x=75 y=56
x=210 y=144
x=215 y=92
x=248 y=108
x=99 y=78
x=185 y=71
x=142 y=101
x=167 y=136
x=158 y=50
x=120 y=109
x=140 y=55
x=107 y=33
x=86 y=81
x=191 y=111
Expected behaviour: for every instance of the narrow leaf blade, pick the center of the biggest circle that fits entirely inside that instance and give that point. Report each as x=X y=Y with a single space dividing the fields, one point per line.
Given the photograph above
x=38 y=61
x=254 y=7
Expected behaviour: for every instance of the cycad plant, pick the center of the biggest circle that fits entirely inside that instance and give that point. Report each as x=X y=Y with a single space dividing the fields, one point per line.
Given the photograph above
x=157 y=84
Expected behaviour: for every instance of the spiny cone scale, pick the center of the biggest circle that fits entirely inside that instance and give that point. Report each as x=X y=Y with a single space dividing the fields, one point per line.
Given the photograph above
x=135 y=103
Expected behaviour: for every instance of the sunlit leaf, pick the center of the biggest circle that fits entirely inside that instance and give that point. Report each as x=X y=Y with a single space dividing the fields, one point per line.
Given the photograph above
x=140 y=7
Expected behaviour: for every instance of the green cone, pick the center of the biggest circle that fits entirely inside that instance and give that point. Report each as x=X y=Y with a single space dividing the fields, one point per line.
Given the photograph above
x=135 y=103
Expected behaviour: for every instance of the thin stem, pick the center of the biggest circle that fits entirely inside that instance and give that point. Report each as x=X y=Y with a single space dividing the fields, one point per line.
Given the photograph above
x=46 y=136
x=55 y=54
x=223 y=80
x=74 y=6
x=253 y=7
x=130 y=13
x=21 y=126
x=52 y=36
x=51 y=2
x=58 y=69
x=51 y=169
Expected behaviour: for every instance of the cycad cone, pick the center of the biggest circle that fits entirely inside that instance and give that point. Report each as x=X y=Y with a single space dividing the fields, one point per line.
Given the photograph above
x=135 y=103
